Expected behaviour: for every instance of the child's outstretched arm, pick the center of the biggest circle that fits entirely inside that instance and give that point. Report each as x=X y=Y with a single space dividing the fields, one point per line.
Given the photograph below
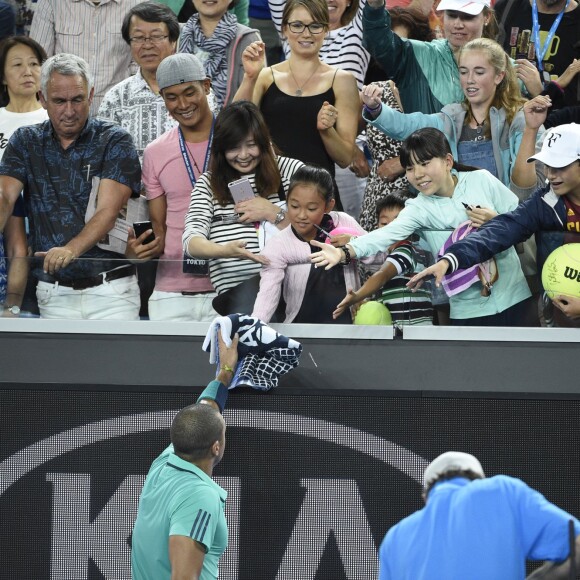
x=370 y=287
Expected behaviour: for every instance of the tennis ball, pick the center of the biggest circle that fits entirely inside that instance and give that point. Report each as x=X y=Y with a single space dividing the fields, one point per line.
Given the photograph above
x=373 y=313
x=561 y=271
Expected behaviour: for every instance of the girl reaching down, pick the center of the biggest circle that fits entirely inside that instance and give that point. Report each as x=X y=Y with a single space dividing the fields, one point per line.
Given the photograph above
x=449 y=194
x=310 y=294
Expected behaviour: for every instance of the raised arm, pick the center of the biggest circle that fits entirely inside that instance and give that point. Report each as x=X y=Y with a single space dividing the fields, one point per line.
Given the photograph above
x=379 y=39
x=338 y=125
x=393 y=123
x=253 y=61
x=523 y=173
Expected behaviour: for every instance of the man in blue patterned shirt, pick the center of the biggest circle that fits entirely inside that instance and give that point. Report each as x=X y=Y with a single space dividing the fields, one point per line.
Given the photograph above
x=56 y=164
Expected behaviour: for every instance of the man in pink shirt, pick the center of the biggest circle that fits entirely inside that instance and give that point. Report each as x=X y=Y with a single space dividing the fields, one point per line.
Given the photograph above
x=171 y=166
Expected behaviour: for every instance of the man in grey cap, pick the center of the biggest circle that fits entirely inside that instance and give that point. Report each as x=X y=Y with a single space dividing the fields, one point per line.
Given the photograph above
x=477 y=528
x=171 y=166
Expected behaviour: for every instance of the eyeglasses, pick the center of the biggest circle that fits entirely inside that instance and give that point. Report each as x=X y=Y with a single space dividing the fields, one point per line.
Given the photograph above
x=153 y=39
x=297 y=27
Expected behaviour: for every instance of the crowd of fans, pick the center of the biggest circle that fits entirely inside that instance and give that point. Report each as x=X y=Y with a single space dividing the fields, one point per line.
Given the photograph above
x=262 y=143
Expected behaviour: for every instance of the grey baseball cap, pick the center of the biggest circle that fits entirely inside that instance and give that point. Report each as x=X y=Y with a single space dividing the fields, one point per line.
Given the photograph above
x=178 y=69
x=451 y=461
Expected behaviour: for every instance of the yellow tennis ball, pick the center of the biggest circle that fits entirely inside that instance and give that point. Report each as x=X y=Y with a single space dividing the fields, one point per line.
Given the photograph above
x=373 y=313
x=561 y=271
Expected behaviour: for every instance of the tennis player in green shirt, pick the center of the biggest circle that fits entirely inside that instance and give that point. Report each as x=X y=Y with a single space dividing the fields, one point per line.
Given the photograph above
x=181 y=531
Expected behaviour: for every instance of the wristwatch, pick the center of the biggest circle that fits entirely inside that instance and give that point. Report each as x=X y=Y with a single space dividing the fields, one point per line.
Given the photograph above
x=14 y=310
x=280 y=217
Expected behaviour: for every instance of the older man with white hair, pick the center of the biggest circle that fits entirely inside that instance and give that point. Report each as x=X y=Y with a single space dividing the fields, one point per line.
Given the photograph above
x=56 y=164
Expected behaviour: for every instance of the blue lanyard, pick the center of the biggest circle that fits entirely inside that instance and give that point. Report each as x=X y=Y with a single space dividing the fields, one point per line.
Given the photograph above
x=541 y=51
x=185 y=153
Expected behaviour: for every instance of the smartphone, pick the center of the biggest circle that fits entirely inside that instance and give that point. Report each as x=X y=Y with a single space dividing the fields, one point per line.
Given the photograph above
x=241 y=189
x=141 y=228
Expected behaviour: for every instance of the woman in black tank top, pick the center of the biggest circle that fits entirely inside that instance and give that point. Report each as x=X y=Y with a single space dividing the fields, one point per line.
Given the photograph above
x=310 y=107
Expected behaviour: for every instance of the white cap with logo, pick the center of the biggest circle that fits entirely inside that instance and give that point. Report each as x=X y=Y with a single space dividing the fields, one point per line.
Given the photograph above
x=561 y=146
x=472 y=7
x=451 y=461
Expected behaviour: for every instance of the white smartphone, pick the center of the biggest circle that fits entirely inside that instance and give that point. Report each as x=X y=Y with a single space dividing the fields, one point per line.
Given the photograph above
x=241 y=189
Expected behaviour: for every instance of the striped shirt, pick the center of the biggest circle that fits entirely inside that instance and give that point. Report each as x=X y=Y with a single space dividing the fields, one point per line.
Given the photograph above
x=342 y=48
x=205 y=219
x=406 y=307
x=89 y=31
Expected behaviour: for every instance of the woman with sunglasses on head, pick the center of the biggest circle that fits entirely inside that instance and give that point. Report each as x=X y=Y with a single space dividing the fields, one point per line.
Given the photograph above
x=311 y=108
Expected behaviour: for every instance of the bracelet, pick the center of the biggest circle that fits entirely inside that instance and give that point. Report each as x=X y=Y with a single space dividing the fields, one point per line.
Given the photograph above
x=347 y=256
x=372 y=112
x=279 y=217
x=227 y=368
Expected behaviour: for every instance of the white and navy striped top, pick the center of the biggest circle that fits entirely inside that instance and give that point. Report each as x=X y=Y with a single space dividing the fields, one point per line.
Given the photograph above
x=342 y=48
x=205 y=218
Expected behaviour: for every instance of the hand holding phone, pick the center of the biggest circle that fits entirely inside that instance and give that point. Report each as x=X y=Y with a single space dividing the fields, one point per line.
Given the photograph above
x=141 y=227
x=241 y=190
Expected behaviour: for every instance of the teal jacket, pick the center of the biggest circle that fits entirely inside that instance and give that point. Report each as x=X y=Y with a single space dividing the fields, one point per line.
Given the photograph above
x=434 y=218
x=505 y=138
x=425 y=73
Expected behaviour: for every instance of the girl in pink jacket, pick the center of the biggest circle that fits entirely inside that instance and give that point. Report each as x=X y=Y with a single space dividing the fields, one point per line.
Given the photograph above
x=311 y=294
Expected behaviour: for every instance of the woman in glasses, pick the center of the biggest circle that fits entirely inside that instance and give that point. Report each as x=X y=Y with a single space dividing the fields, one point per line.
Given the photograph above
x=218 y=40
x=310 y=107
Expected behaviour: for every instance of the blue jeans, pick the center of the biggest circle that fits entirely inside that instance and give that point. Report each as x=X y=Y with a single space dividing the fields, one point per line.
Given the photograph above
x=479 y=154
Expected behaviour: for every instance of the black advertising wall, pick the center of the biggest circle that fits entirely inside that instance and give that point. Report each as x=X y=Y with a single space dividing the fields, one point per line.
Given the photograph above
x=315 y=478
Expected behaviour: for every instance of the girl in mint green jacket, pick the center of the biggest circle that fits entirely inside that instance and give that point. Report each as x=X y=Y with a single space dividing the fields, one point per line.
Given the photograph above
x=449 y=194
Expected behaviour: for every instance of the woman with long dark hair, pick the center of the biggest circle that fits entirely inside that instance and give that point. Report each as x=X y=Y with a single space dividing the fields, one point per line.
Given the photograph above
x=228 y=233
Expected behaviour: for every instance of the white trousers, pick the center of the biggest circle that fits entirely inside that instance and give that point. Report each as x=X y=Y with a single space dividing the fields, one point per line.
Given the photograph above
x=176 y=306
x=114 y=300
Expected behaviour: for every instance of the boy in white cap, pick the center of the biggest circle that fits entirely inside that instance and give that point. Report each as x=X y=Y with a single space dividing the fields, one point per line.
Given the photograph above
x=552 y=213
x=476 y=528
